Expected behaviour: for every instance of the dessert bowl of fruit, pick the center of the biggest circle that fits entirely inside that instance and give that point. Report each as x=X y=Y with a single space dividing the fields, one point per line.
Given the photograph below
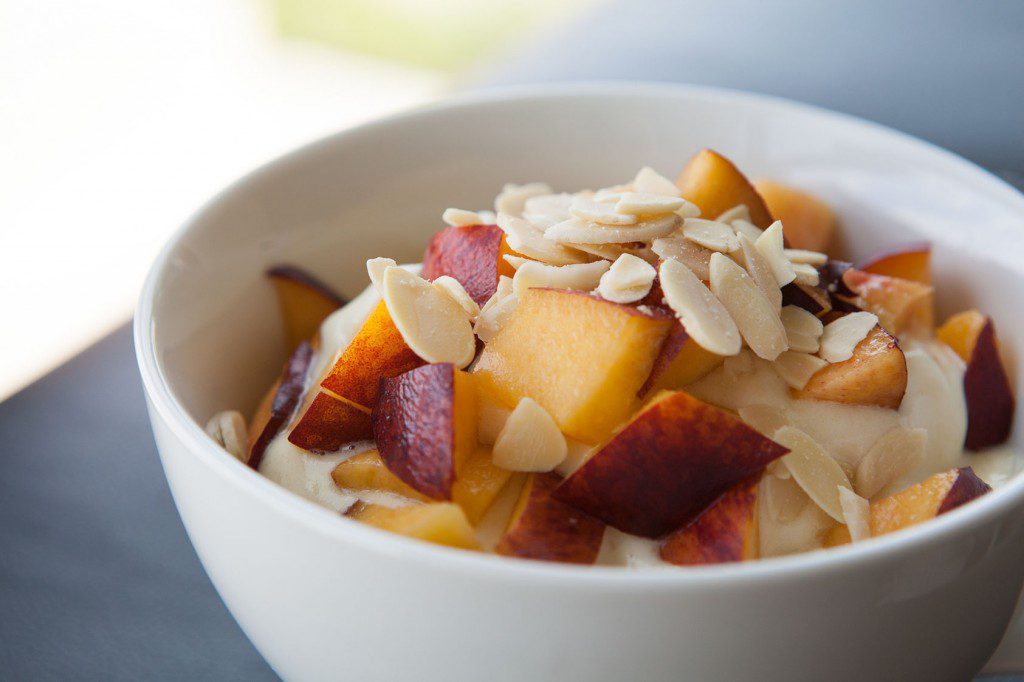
x=519 y=387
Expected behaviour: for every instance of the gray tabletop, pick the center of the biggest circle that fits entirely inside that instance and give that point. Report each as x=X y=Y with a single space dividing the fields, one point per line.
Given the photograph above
x=97 y=578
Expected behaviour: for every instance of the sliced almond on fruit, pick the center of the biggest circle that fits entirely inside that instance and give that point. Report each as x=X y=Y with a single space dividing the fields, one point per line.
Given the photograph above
x=856 y=514
x=578 y=230
x=796 y=369
x=744 y=226
x=516 y=261
x=765 y=419
x=640 y=203
x=818 y=474
x=434 y=326
x=375 y=268
x=803 y=329
x=841 y=336
x=530 y=440
x=228 y=429
x=702 y=315
x=547 y=209
x=894 y=454
x=454 y=288
x=710 y=234
x=611 y=252
x=650 y=181
x=815 y=258
x=759 y=270
x=601 y=213
x=770 y=244
x=496 y=310
x=457 y=217
x=754 y=315
x=512 y=199
x=525 y=238
x=628 y=280
x=694 y=256
x=581 y=276
x=737 y=212
x=490 y=418
x=805 y=274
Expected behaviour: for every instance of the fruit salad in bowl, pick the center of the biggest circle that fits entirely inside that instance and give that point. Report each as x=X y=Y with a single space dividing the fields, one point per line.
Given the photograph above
x=654 y=374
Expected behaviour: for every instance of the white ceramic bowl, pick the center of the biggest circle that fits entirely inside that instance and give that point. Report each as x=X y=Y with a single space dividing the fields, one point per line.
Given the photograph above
x=323 y=597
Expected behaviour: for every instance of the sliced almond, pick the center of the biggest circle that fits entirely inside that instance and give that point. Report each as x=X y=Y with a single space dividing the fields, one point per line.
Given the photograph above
x=737 y=212
x=547 y=209
x=737 y=365
x=784 y=499
x=640 y=203
x=818 y=474
x=530 y=440
x=759 y=271
x=754 y=315
x=649 y=181
x=613 y=251
x=744 y=226
x=228 y=429
x=856 y=514
x=454 y=288
x=375 y=268
x=457 y=217
x=694 y=256
x=512 y=199
x=803 y=329
x=581 y=277
x=814 y=258
x=897 y=452
x=490 y=418
x=765 y=419
x=628 y=280
x=516 y=261
x=796 y=369
x=434 y=326
x=841 y=336
x=528 y=240
x=577 y=230
x=491 y=320
x=710 y=234
x=613 y=193
x=805 y=274
x=601 y=213
x=770 y=245
x=702 y=315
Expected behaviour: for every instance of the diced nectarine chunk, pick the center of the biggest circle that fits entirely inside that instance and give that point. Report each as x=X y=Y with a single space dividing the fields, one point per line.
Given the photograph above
x=913 y=262
x=901 y=304
x=330 y=423
x=442 y=523
x=807 y=221
x=304 y=300
x=680 y=362
x=478 y=483
x=582 y=358
x=875 y=375
x=472 y=254
x=287 y=393
x=367 y=472
x=715 y=185
x=726 y=531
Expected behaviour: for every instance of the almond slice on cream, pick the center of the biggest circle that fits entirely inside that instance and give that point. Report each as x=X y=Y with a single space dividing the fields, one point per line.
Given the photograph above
x=640 y=203
x=628 y=280
x=815 y=258
x=895 y=453
x=856 y=514
x=581 y=276
x=702 y=315
x=818 y=474
x=796 y=369
x=457 y=217
x=841 y=336
x=530 y=440
x=759 y=270
x=650 y=181
x=803 y=329
x=770 y=244
x=577 y=230
x=765 y=419
x=375 y=268
x=754 y=315
x=710 y=234
x=454 y=288
x=694 y=256
x=524 y=237
x=512 y=199
x=228 y=429
x=434 y=326
x=601 y=213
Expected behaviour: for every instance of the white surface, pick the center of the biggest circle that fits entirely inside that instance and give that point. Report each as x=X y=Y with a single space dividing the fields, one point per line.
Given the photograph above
x=929 y=603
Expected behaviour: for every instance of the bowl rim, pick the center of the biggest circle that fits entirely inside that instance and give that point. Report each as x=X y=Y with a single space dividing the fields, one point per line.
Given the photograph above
x=386 y=544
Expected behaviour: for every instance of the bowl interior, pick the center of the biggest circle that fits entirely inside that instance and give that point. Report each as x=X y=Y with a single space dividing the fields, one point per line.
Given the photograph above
x=379 y=190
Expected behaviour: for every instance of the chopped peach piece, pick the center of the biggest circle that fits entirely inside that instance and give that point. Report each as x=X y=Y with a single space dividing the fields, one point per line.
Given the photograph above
x=726 y=531
x=472 y=254
x=962 y=331
x=582 y=358
x=715 y=185
x=807 y=221
x=305 y=302
x=442 y=523
x=912 y=262
x=287 y=393
x=875 y=375
x=366 y=471
x=330 y=423
x=478 y=484
x=901 y=304
x=680 y=362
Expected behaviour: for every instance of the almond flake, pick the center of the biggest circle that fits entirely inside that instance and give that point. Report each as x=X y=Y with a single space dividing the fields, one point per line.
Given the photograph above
x=814 y=258
x=496 y=310
x=628 y=280
x=638 y=203
x=770 y=245
x=454 y=288
x=856 y=514
x=490 y=418
x=577 y=230
x=530 y=440
x=818 y=474
x=548 y=209
x=803 y=329
x=765 y=419
x=893 y=455
x=759 y=271
x=805 y=274
x=434 y=326
x=525 y=238
x=710 y=234
x=457 y=217
x=649 y=181
x=596 y=212
x=784 y=499
x=375 y=268
x=702 y=315
x=737 y=212
x=744 y=226
x=750 y=309
x=694 y=256
x=840 y=337
x=613 y=193
x=516 y=261
x=737 y=365
x=228 y=430
x=512 y=199
x=613 y=251
x=582 y=276
x=796 y=369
